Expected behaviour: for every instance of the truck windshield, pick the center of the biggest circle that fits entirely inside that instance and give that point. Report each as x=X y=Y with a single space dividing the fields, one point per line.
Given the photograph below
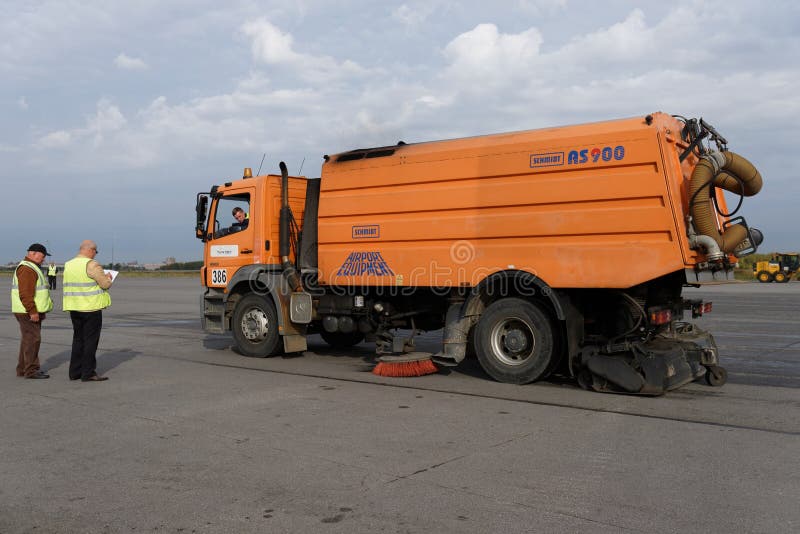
x=232 y=214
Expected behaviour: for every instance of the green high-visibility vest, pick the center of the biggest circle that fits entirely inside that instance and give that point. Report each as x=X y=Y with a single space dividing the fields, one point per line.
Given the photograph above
x=81 y=293
x=51 y=271
x=42 y=297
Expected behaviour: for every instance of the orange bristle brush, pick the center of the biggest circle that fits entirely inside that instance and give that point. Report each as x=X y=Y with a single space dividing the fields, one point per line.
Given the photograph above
x=414 y=364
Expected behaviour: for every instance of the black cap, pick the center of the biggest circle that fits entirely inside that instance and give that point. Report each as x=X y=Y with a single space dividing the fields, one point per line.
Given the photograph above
x=38 y=247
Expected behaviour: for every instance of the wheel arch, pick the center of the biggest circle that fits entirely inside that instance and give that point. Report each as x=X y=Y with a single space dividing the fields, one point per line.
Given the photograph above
x=528 y=286
x=265 y=280
x=513 y=283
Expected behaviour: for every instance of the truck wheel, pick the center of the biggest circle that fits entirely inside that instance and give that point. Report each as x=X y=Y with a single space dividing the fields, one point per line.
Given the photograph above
x=514 y=341
x=341 y=340
x=255 y=326
x=781 y=277
x=716 y=376
x=764 y=277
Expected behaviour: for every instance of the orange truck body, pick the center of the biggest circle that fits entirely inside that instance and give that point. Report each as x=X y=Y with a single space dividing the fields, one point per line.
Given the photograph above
x=594 y=216
x=453 y=212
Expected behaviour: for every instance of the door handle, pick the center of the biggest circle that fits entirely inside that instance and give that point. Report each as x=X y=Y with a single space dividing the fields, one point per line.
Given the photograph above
x=247 y=251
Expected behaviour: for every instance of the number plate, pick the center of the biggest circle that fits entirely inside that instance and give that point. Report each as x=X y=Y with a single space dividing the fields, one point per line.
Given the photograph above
x=219 y=277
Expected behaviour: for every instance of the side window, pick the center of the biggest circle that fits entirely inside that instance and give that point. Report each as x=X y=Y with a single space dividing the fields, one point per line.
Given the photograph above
x=232 y=214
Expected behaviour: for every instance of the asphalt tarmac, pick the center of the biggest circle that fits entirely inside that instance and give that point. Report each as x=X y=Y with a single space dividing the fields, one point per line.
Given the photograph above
x=188 y=436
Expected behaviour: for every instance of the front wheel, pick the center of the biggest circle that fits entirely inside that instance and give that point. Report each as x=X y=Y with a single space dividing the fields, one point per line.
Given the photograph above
x=515 y=341
x=255 y=327
x=764 y=277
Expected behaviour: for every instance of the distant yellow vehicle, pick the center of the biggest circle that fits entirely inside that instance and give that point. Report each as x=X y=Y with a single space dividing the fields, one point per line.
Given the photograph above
x=779 y=269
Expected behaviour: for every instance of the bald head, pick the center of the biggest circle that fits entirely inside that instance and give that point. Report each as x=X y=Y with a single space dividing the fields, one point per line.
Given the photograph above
x=88 y=248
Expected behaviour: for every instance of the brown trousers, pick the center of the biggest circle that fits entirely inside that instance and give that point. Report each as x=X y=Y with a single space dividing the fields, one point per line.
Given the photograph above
x=29 y=344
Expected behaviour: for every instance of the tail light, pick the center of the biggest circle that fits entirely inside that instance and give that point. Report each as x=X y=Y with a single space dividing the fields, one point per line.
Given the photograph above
x=659 y=317
x=700 y=308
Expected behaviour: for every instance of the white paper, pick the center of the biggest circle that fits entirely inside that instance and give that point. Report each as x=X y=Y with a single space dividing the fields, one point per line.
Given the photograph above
x=112 y=273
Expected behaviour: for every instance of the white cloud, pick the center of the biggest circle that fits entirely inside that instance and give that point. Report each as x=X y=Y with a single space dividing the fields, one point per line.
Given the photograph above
x=125 y=62
x=272 y=46
x=269 y=44
x=484 y=59
x=8 y=148
x=539 y=7
x=57 y=139
x=413 y=15
x=106 y=120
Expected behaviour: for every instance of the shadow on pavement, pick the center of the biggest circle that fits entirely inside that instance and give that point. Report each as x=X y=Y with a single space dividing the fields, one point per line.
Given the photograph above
x=55 y=361
x=105 y=360
x=218 y=341
x=109 y=360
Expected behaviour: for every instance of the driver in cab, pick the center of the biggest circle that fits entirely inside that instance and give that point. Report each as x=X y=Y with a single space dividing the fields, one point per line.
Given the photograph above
x=242 y=219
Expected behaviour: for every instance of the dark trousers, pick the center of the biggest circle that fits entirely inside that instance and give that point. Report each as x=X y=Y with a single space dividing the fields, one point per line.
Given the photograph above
x=86 y=328
x=52 y=280
x=31 y=338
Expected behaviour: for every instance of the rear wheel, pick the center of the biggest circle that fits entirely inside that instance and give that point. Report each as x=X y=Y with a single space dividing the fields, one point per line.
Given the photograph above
x=341 y=340
x=255 y=326
x=515 y=341
x=764 y=277
x=781 y=277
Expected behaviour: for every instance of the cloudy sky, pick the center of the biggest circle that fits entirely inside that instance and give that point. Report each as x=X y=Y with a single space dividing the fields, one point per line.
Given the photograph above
x=115 y=114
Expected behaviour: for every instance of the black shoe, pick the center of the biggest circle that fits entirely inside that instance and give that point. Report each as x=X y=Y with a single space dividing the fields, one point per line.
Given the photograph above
x=38 y=375
x=94 y=378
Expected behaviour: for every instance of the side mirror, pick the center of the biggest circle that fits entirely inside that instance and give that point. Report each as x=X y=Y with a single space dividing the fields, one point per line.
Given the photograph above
x=201 y=210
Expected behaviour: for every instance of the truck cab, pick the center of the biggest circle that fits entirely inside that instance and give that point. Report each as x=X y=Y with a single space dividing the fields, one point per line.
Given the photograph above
x=234 y=251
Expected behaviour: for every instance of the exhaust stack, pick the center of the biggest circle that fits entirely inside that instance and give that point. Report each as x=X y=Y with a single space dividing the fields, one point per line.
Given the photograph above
x=284 y=246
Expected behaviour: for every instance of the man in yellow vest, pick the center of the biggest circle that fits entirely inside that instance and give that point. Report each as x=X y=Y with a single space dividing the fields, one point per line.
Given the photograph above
x=84 y=290
x=51 y=275
x=30 y=302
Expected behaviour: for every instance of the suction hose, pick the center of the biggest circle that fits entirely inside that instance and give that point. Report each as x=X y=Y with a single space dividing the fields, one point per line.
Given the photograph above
x=728 y=171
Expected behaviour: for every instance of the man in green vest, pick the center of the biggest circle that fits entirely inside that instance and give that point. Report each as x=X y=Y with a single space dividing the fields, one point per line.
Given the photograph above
x=85 y=296
x=51 y=275
x=30 y=302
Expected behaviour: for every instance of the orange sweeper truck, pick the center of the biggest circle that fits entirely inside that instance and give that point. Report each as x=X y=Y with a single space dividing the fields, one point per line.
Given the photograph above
x=559 y=250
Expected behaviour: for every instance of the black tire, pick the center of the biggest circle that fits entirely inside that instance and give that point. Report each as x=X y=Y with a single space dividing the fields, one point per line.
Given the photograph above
x=764 y=277
x=716 y=376
x=341 y=340
x=780 y=277
x=255 y=326
x=514 y=341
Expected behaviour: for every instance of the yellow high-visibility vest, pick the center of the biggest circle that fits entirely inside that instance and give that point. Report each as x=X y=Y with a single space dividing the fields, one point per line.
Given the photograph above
x=81 y=293
x=51 y=271
x=42 y=297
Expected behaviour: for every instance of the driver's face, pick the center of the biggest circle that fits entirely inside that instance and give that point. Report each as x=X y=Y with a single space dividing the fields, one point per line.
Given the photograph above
x=239 y=216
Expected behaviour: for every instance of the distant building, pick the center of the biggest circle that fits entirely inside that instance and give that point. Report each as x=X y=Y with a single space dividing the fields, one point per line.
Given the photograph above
x=169 y=261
